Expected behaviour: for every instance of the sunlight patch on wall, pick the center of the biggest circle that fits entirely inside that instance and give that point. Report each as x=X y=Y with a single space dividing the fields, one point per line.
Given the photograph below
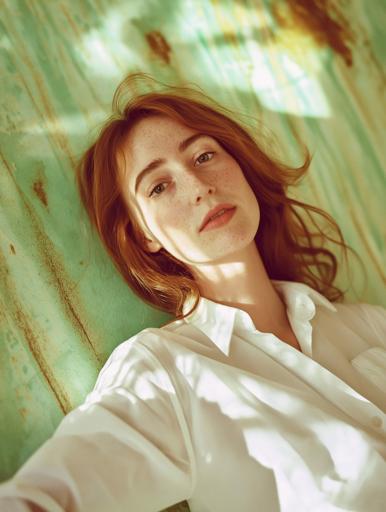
x=301 y=95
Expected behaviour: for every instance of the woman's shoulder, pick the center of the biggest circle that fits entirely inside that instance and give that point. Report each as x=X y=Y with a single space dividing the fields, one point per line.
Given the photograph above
x=133 y=359
x=147 y=342
x=135 y=343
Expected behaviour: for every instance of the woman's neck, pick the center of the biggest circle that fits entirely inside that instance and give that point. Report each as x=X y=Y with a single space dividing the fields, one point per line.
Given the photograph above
x=243 y=282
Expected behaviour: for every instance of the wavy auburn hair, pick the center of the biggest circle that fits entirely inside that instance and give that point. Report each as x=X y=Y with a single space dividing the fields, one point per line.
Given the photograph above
x=290 y=250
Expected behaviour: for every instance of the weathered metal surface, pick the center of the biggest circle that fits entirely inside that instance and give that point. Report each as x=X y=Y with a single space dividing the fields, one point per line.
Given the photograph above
x=310 y=70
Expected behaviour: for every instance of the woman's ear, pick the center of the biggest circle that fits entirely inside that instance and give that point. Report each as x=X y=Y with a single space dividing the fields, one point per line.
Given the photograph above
x=144 y=237
x=152 y=245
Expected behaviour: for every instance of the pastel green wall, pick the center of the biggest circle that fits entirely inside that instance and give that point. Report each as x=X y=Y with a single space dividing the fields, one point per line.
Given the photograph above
x=307 y=73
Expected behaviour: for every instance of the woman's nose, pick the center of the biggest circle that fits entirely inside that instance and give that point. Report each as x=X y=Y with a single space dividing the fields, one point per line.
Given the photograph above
x=199 y=196
x=195 y=183
x=199 y=188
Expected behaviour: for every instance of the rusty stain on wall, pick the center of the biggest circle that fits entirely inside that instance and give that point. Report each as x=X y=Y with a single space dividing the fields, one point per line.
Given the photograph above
x=34 y=342
x=319 y=18
x=33 y=337
x=38 y=188
x=75 y=29
x=159 y=45
x=52 y=262
x=65 y=289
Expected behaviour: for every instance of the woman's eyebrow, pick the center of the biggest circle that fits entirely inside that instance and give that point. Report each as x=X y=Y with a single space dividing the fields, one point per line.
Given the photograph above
x=159 y=161
x=187 y=142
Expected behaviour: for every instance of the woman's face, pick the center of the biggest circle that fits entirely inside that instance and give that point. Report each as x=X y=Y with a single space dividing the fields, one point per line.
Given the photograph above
x=172 y=200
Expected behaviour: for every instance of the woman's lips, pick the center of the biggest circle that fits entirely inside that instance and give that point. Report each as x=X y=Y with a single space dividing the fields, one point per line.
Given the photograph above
x=220 y=220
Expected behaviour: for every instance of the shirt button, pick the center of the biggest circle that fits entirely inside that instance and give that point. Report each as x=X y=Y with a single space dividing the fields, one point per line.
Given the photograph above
x=376 y=421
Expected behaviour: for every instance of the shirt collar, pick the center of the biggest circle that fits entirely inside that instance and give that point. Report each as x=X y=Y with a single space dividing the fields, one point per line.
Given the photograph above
x=218 y=321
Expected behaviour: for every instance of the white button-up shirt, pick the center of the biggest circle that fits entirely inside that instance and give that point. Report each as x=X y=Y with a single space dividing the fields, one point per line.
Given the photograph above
x=213 y=411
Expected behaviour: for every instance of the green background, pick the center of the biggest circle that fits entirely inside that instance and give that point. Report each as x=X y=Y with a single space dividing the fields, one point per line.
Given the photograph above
x=309 y=71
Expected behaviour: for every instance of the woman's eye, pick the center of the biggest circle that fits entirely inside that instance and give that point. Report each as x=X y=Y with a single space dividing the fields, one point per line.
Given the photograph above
x=204 y=157
x=156 y=187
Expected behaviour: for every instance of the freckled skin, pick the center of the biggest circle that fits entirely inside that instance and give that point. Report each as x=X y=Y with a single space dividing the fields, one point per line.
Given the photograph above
x=188 y=190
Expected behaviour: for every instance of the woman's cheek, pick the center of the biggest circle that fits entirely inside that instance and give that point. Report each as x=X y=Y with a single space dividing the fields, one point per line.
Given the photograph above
x=175 y=216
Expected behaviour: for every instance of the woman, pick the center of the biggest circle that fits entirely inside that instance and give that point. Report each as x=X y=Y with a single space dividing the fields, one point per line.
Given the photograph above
x=267 y=392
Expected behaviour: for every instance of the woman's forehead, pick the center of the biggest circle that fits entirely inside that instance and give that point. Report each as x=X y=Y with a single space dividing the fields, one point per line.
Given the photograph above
x=156 y=138
x=153 y=132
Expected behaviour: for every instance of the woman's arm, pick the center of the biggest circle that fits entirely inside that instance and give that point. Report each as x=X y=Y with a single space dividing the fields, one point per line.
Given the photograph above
x=126 y=448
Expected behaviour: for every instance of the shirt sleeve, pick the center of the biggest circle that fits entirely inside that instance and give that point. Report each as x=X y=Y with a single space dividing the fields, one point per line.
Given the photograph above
x=126 y=448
